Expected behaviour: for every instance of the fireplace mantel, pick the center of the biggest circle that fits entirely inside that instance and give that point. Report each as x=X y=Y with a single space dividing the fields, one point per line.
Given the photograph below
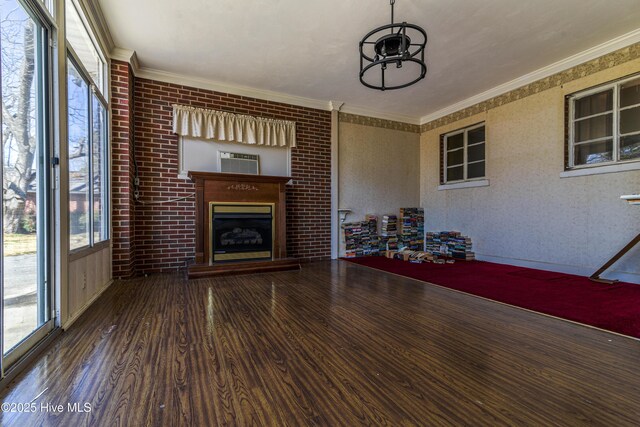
x=225 y=188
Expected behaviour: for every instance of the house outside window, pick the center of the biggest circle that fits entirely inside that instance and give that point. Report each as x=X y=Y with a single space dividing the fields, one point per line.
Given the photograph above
x=604 y=125
x=463 y=155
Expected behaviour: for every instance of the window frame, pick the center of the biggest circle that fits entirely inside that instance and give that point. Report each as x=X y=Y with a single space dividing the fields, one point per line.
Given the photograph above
x=106 y=201
x=102 y=87
x=570 y=121
x=465 y=161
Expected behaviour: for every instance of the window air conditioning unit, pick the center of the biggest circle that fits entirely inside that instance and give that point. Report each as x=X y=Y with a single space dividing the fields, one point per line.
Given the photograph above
x=239 y=163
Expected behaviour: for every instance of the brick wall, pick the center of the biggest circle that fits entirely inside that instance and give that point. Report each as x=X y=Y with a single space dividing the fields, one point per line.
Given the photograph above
x=164 y=233
x=122 y=169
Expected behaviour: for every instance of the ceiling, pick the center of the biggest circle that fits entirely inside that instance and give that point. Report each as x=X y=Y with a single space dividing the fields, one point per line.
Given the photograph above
x=310 y=48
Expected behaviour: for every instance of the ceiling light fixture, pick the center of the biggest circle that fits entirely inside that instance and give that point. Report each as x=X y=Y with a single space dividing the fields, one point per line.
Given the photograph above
x=404 y=44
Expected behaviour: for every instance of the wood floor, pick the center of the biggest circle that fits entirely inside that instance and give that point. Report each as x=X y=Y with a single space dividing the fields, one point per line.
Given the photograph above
x=331 y=344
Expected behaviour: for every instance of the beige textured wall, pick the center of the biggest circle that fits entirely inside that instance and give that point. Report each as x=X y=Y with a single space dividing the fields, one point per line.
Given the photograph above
x=529 y=215
x=379 y=171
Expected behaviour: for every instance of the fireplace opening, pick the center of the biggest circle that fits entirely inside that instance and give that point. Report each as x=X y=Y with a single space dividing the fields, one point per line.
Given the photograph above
x=241 y=232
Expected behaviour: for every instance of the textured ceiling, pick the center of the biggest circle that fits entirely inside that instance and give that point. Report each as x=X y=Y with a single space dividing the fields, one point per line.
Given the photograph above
x=310 y=48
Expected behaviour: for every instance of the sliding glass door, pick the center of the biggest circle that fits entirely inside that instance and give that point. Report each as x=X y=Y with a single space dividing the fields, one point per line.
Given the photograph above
x=26 y=188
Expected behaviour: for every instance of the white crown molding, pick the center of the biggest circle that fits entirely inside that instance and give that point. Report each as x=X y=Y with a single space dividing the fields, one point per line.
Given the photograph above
x=126 y=55
x=363 y=111
x=565 y=64
x=167 y=77
x=336 y=105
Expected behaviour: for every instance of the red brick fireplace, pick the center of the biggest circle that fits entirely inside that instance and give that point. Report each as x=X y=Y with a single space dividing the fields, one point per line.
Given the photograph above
x=162 y=237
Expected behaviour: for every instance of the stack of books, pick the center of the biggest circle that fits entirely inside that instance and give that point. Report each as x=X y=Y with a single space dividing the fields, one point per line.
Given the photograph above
x=372 y=246
x=361 y=238
x=372 y=223
x=451 y=244
x=412 y=228
x=352 y=239
x=389 y=231
x=389 y=225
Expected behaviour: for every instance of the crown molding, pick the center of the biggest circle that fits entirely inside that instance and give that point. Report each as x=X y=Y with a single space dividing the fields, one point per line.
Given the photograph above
x=267 y=95
x=336 y=105
x=126 y=55
x=363 y=111
x=565 y=64
x=378 y=122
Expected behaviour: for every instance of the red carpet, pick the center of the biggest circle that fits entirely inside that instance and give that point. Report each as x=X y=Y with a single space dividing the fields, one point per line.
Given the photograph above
x=612 y=307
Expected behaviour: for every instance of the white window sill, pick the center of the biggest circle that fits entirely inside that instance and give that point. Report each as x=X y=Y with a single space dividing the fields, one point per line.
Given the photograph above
x=597 y=170
x=465 y=184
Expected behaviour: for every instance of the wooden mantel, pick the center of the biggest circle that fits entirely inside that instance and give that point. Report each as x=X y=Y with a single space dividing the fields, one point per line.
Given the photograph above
x=230 y=187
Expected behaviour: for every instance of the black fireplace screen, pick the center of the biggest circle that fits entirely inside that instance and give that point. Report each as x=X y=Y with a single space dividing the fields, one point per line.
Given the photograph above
x=242 y=233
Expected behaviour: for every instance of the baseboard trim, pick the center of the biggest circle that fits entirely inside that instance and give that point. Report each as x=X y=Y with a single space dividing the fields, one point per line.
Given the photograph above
x=622 y=276
x=84 y=308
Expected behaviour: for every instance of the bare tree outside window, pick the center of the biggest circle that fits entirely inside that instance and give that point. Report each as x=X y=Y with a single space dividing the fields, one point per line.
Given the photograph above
x=18 y=119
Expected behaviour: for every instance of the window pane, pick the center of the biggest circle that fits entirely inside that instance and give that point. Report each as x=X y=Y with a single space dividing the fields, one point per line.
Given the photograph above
x=455 y=174
x=78 y=123
x=475 y=153
x=50 y=5
x=475 y=136
x=630 y=120
x=455 y=157
x=475 y=170
x=593 y=128
x=83 y=46
x=99 y=171
x=594 y=104
x=630 y=147
x=594 y=152
x=630 y=93
x=455 y=141
x=21 y=189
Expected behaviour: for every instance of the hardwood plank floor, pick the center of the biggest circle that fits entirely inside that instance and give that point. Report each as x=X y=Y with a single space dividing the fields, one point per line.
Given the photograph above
x=331 y=344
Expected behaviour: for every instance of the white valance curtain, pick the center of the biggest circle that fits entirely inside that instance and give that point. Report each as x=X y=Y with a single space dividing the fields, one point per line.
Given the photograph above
x=221 y=126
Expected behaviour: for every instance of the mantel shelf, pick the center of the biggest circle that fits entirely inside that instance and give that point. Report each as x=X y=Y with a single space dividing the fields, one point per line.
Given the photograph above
x=238 y=177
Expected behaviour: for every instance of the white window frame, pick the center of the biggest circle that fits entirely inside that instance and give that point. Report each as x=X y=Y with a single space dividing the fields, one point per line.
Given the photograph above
x=465 y=163
x=615 y=87
x=103 y=85
x=106 y=202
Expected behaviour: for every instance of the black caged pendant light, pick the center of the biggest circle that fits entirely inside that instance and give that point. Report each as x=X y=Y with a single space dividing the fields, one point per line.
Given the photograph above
x=392 y=45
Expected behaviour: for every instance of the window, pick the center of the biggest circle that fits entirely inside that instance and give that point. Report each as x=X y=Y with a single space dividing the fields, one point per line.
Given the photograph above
x=26 y=206
x=50 y=5
x=463 y=155
x=604 y=124
x=87 y=151
x=87 y=134
x=81 y=42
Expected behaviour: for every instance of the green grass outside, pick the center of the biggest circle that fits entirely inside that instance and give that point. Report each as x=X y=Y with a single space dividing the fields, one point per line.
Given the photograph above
x=23 y=244
x=19 y=244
